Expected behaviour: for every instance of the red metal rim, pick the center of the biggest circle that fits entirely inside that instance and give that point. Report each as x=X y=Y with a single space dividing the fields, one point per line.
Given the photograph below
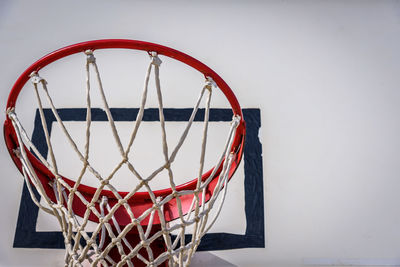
x=142 y=197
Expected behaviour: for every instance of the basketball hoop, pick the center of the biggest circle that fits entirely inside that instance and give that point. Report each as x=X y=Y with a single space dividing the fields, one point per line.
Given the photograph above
x=133 y=228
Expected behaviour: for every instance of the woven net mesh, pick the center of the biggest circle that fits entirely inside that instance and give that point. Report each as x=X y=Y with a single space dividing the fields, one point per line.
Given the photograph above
x=149 y=225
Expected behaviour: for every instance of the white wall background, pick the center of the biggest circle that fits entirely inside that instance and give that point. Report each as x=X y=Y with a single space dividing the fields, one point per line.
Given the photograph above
x=325 y=75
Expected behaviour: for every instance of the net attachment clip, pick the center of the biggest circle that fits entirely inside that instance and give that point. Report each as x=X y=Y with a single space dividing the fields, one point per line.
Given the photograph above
x=155 y=60
x=210 y=83
x=89 y=56
x=235 y=120
x=36 y=79
x=17 y=152
x=10 y=112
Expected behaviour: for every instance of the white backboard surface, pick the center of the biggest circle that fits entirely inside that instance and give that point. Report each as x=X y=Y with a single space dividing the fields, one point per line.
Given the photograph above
x=317 y=80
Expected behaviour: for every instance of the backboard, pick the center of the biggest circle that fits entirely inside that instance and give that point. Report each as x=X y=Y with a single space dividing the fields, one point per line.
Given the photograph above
x=317 y=184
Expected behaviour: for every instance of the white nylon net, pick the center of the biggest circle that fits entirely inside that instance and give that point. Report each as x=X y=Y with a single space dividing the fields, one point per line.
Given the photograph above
x=83 y=247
